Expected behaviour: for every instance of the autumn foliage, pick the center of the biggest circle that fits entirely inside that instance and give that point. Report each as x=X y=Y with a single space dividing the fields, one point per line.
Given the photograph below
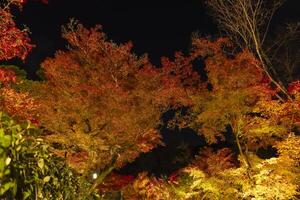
x=102 y=101
x=238 y=100
x=28 y=170
x=241 y=99
x=14 y=42
x=20 y=105
x=101 y=106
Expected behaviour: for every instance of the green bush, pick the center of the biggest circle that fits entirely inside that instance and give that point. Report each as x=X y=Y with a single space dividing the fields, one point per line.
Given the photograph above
x=28 y=170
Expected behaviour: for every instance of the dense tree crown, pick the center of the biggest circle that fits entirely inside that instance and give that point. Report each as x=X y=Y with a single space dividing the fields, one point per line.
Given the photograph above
x=100 y=101
x=14 y=42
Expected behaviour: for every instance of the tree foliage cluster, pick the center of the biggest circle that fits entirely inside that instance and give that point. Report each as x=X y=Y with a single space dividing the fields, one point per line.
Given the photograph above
x=102 y=103
x=28 y=169
x=100 y=106
x=239 y=101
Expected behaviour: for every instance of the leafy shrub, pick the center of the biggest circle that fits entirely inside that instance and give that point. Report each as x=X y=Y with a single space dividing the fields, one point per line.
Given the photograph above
x=29 y=171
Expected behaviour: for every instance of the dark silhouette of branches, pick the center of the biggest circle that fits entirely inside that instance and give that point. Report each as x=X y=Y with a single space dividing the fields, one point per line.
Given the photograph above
x=246 y=23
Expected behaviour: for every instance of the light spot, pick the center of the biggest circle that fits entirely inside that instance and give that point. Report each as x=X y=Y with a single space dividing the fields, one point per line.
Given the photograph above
x=95 y=175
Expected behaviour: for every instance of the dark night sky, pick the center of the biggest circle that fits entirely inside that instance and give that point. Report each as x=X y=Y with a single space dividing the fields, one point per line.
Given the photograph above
x=158 y=28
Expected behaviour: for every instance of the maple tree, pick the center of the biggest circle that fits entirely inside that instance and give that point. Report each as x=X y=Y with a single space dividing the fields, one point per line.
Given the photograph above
x=101 y=105
x=238 y=99
x=241 y=98
x=14 y=42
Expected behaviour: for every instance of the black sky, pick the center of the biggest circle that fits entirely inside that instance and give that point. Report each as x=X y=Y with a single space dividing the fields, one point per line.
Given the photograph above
x=158 y=28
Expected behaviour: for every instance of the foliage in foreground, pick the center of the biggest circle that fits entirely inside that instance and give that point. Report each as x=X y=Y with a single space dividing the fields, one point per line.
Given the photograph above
x=27 y=168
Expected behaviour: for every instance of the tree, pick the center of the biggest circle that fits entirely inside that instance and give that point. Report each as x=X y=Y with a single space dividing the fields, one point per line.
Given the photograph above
x=241 y=99
x=238 y=100
x=101 y=105
x=247 y=23
x=13 y=41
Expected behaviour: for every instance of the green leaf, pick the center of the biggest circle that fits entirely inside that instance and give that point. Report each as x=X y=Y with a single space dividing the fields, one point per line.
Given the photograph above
x=1 y=132
x=26 y=194
x=7 y=172
x=5 y=141
x=6 y=187
x=2 y=164
x=46 y=179
x=7 y=161
x=18 y=148
x=41 y=163
x=15 y=188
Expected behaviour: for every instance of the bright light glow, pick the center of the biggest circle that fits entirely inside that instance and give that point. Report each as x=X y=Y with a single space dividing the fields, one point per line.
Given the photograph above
x=95 y=175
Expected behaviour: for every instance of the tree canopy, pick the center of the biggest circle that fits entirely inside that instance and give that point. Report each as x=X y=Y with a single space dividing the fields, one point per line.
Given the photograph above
x=100 y=106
